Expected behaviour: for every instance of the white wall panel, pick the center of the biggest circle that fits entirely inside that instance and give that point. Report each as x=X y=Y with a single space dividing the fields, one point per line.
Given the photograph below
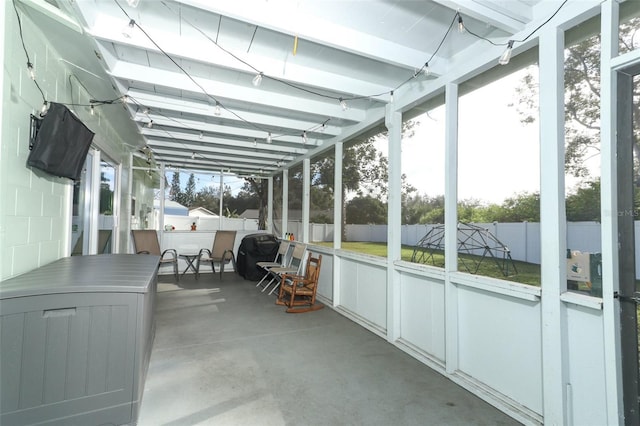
x=422 y=314
x=325 y=281
x=499 y=344
x=586 y=393
x=363 y=291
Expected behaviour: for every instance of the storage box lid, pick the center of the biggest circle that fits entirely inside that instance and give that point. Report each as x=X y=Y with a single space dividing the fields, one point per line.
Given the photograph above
x=113 y=273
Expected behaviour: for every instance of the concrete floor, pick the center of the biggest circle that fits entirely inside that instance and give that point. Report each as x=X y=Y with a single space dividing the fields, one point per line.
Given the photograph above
x=225 y=354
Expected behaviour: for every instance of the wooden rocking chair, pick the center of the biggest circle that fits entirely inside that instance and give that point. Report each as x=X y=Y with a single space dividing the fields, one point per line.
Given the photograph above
x=298 y=292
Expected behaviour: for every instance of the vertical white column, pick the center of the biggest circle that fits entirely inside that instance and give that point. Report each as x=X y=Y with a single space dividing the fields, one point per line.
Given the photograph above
x=285 y=201
x=609 y=206
x=220 y=217
x=306 y=199
x=161 y=213
x=552 y=224
x=451 y=226
x=337 y=221
x=337 y=197
x=270 y=204
x=94 y=209
x=393 y=122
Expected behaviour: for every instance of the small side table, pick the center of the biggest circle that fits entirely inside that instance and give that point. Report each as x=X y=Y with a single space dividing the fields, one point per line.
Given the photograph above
x=189 y=258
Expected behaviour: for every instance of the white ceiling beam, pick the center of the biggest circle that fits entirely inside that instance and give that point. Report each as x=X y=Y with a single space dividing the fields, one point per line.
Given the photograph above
x=203 y=126
x=216 y=149
x=54 y=13
x=486 y=12
x=220 y=90
x=289 y=20
x=154 y=101
x=205 y=52
x=236 y=144
x=256 y=162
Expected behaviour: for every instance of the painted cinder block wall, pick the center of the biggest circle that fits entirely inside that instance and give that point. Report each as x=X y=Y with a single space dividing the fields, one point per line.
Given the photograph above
x=35 y=208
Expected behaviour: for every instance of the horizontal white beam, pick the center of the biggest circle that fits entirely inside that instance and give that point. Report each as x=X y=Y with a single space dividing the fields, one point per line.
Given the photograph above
x=487 y=13
x=218 y=141
x=286 y=19
x=181 y=123
x=165 y=103
x=197 y=48
x=250 y=95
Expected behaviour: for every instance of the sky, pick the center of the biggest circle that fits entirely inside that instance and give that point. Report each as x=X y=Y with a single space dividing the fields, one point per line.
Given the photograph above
x=498 y=156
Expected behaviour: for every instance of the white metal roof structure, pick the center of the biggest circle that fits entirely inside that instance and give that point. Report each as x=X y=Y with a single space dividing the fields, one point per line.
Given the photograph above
x=186 y=70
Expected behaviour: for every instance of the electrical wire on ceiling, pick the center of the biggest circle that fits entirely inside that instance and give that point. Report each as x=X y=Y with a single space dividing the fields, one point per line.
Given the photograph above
x=269 y=138
x=342 y=99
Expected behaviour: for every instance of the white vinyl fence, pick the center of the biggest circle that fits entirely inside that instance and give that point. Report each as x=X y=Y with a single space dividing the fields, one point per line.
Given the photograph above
x=522 y=239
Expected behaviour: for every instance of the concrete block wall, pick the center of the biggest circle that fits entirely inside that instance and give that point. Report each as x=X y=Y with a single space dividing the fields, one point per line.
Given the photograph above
x=35 y=208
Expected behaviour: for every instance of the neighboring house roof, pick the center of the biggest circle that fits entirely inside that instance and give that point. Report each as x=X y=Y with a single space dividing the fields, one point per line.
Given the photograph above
x=249 y=214
x=172 y=207
x=201 y=211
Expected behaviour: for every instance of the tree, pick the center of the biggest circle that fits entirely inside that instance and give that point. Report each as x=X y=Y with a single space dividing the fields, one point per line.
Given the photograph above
x=520 y=208
x=365 y=171
x=106 y=195
x=582 y=98
x=584 y=203
x=208 y=197
x=189 y=192
x=260 y=189
x=175 y=190
x=366 y=210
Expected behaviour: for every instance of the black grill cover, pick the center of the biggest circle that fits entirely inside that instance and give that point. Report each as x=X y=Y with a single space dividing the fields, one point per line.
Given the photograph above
x=255 y=248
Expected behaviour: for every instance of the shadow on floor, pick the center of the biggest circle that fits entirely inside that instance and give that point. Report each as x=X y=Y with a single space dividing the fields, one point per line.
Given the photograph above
x=225 y=354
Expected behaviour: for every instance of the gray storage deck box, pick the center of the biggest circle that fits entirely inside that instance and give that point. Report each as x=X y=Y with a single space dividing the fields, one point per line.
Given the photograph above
x=75 y=341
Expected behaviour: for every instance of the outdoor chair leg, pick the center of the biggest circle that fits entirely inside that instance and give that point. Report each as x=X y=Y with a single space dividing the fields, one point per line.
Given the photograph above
x=275 y=288
x=268 y=284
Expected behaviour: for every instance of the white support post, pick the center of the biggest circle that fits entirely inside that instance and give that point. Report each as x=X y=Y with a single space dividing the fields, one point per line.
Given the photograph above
x=220 y=218
x=553 y=225
x=306 y=199
x=451 y=227
x=285 y=201
x=94 y=195
x=270 y=204
x=609 y=205
x=393 y=122
x=161 y=213
x=337 y=221
x=337 y=197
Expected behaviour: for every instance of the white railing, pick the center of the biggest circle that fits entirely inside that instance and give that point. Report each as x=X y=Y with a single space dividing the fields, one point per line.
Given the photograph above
x=522 y=239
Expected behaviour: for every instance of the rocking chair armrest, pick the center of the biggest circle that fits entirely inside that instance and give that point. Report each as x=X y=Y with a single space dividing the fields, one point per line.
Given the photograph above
x=299 y=280
x=172 y=252
x=291 y=277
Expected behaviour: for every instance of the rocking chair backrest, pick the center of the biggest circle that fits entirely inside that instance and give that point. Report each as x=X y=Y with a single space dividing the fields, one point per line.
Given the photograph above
x=312 y=272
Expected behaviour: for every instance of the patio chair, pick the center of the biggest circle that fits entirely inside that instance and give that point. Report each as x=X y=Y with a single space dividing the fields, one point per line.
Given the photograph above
x=279 y=260
x=298 y=292
x=294 y=267
x=145 y=241
x=221 y=252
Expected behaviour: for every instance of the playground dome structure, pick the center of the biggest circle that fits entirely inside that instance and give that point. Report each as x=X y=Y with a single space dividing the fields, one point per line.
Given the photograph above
x=476 y=243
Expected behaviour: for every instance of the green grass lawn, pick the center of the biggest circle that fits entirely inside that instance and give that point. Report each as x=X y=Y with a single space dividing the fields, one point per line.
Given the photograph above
x=528 y=273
